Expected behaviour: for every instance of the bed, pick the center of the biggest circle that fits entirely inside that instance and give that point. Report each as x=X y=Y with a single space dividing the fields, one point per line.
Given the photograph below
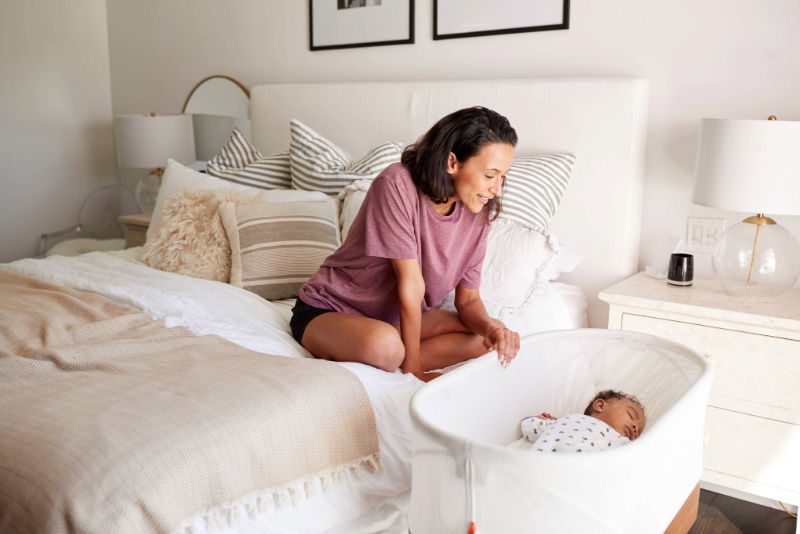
x=602 y=121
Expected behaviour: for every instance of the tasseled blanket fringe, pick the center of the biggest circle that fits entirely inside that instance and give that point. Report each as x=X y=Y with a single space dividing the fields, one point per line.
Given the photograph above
x=281 y=497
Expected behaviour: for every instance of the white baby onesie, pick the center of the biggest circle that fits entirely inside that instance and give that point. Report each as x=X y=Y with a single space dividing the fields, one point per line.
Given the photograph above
x=572 y=433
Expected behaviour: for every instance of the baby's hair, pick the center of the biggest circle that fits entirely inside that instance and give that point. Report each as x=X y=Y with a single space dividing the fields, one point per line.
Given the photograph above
x=611 y=394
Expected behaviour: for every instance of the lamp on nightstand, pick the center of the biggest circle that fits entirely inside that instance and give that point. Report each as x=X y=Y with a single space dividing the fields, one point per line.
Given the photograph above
x=147 y=142
x=751 y=166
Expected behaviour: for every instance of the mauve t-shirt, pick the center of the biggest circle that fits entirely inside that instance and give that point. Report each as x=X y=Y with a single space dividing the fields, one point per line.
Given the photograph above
x=398 y=221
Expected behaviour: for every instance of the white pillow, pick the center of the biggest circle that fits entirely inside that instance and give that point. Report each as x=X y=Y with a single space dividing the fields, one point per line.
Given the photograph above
x=352 y=196
x=565 y=261
x=515 y=258
x=177 y=176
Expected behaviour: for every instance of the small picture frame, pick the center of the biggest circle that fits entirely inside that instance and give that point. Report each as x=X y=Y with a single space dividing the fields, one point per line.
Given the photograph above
x=455 y=19
x=334 y=24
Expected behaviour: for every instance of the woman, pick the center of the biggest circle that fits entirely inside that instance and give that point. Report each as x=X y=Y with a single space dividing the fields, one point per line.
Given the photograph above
x=421 y=232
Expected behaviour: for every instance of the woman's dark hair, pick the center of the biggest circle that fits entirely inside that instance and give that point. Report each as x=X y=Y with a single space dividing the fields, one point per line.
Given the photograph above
x=464 y=133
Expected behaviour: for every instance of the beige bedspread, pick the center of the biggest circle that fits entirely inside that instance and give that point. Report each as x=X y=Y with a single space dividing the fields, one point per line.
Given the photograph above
x=112 y=422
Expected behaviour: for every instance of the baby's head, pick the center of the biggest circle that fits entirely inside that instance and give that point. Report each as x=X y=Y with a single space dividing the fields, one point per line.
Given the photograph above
x=623 y=413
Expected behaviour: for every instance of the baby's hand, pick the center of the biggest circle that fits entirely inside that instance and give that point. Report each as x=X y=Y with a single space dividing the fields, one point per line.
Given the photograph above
x=547 y=417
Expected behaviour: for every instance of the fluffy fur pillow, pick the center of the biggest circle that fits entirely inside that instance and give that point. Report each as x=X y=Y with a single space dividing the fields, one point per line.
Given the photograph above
x=190 y=238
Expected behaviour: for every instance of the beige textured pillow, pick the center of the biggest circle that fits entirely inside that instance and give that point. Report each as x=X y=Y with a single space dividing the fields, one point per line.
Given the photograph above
x=276 y=248
x=190 y=239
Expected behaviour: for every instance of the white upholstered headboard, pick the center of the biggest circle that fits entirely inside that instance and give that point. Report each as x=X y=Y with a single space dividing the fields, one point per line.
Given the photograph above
x=601 y=120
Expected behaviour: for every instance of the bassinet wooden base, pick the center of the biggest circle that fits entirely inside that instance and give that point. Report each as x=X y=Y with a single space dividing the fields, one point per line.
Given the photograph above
x=687 y=515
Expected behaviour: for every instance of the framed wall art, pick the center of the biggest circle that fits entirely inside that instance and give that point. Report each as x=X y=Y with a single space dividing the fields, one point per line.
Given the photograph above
x=454 y=19
x=355 y=23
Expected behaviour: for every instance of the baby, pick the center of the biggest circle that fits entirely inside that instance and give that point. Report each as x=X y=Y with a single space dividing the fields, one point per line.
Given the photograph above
x=611 y=419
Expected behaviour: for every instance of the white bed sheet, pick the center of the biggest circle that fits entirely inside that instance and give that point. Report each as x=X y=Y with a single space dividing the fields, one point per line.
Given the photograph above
x=375 y=503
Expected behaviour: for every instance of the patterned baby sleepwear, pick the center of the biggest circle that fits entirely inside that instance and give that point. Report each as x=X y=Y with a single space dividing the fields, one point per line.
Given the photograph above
x=573 y=433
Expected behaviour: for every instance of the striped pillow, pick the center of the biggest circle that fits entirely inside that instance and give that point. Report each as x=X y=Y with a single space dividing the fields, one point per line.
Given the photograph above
x=276 y=248
x=319 y=165
x=534 y=187
x=241 y=163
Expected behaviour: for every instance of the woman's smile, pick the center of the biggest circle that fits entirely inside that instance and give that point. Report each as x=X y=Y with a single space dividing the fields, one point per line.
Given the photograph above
x=484 y=172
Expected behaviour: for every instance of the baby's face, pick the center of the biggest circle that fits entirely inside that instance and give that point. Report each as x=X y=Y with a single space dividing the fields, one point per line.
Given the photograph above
x=622 y=415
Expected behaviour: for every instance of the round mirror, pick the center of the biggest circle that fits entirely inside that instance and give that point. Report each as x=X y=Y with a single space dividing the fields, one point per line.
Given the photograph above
x=219 y=95
x=218 y=104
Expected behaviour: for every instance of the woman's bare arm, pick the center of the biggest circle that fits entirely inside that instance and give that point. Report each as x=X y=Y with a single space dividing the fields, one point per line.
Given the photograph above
x=411 y=290
x=473 y=314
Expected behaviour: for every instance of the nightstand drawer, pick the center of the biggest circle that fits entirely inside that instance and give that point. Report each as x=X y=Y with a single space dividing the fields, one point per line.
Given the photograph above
x=747 y=366
x=135 y=236
x=752 y=448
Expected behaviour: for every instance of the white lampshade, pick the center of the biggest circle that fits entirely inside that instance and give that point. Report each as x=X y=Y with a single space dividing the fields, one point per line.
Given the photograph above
x=211 y=133
x=147 y=142
x=751 y=166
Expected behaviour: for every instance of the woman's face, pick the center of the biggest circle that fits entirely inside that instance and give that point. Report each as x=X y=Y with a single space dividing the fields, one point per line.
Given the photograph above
x=480 y=178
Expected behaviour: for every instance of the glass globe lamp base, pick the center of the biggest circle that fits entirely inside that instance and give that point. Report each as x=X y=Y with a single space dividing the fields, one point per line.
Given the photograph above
x=147 y=192
x=756 y=260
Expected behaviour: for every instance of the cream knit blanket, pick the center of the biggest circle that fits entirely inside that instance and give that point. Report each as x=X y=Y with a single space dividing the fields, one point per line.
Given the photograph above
x=112 y=422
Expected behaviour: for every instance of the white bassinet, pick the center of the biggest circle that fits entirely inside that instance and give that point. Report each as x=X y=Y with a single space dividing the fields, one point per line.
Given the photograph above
x=463 y=470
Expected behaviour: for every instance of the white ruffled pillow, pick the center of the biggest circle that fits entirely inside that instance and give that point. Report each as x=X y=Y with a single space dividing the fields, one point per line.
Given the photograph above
x=515 y=258
x=565 y=261
x=512 y=269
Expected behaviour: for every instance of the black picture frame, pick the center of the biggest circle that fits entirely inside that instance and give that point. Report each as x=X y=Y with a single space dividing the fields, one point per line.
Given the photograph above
x=314 y=48
x=439 y=37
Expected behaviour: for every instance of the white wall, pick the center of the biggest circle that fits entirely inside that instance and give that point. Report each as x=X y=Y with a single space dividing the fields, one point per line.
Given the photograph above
x=704 y=58
x=56 y=138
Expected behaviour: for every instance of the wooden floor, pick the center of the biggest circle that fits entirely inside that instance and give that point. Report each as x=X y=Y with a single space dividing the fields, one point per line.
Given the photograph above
x=720 y=514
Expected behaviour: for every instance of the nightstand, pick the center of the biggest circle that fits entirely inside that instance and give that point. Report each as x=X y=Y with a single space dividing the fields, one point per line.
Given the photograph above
x=752 y=441
x=135 y=228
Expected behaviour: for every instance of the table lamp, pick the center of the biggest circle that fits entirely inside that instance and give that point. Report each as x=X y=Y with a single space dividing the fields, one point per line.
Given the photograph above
x=147 y=142
x=751 y=166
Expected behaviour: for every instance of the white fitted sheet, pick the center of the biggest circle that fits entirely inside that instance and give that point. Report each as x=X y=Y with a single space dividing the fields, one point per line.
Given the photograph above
x=576 y=303
x=375 y=503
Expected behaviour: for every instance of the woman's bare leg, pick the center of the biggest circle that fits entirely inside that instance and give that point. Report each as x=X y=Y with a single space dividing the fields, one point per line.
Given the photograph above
x=449 y=349
x=343 y=337
x=445 y=340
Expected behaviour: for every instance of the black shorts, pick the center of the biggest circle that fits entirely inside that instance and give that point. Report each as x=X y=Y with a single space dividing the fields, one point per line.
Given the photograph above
x=302 y=314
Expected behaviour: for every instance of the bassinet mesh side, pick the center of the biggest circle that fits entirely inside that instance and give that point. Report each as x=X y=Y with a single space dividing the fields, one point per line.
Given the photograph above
x=472 y=413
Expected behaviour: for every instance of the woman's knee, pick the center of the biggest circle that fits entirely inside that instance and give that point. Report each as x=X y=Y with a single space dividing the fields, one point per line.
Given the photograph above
x=383 y=348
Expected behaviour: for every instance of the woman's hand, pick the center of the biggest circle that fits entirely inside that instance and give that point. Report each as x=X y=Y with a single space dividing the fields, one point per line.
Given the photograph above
x=505 y=342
